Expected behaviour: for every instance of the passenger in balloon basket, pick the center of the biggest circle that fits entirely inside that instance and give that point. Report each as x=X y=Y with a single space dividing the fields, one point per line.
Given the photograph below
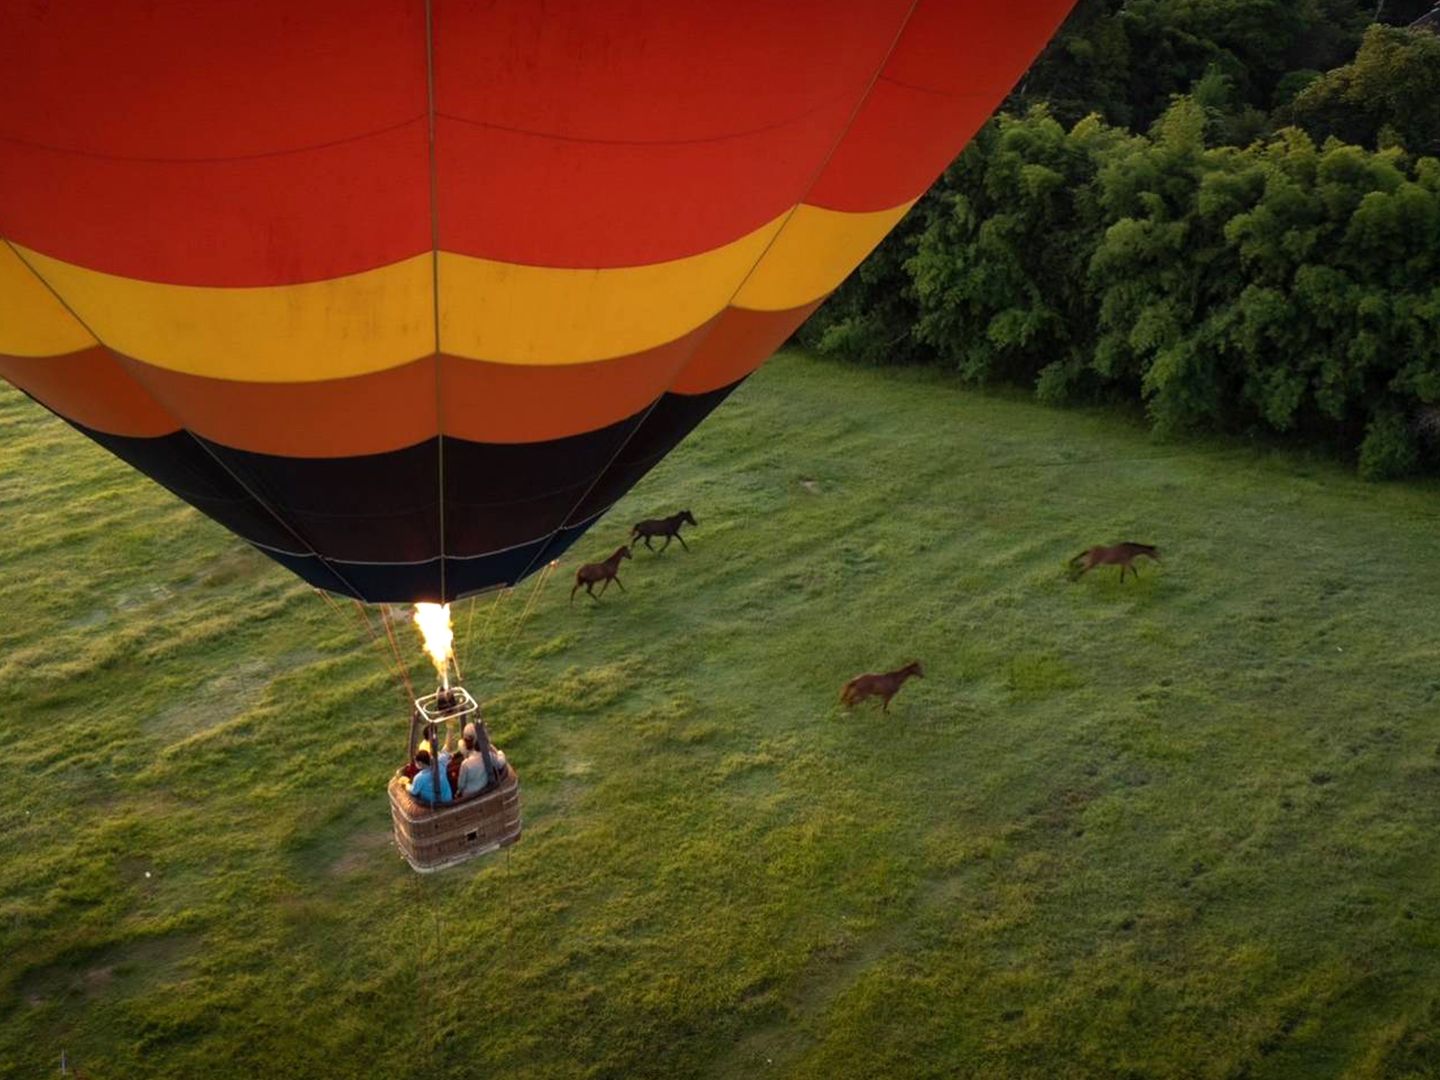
x=474 y=775
x=433 y=772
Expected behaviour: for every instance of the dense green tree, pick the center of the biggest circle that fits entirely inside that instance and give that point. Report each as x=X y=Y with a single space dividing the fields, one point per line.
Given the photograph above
x=1225 y=272
x=1126 y=59
x=998 y=272
x=1389 y=93
x=1160 y=269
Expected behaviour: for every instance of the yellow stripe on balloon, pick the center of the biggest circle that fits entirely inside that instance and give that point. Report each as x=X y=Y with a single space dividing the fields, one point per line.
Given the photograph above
x=349 y=325
x=814 y=253
x=32 y=321
x=384 y=318
x=513 y=314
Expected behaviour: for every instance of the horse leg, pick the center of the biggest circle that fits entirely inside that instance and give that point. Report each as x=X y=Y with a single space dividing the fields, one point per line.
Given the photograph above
x=682 y=541
x=590 y=591
x=574 y=590
x=1134 y=569
x=666 y=543
x=604 y=584
x=647 y=542
x=616 y=579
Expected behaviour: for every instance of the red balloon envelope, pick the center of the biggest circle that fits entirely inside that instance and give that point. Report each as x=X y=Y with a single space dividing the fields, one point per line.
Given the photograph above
x=407 y=295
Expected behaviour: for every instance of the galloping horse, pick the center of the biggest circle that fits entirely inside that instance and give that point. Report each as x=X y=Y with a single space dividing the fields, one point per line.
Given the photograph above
x=666 y=527
x=886 y=685
x=1125 y=554
x=605 y=571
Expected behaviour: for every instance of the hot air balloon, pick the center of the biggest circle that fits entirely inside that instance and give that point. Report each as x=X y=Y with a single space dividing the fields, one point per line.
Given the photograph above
x=408 y=293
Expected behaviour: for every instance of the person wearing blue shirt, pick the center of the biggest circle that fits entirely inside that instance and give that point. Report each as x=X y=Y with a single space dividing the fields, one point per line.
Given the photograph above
x=423 y=786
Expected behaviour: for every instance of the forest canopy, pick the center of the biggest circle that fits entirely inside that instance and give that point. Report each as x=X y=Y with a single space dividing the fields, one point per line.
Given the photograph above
x=1228 y=210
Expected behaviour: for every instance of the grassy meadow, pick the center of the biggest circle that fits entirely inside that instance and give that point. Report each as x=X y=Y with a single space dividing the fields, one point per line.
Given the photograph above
x=1180 y=827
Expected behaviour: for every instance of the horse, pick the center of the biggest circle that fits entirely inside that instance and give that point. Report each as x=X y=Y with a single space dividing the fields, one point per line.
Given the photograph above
x=605 y=571
x=666 y=527
x=887 y=685
x=1125 y=554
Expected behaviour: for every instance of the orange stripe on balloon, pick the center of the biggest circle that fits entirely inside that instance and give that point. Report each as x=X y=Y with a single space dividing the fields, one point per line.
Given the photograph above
x=507 y=403
x=364 y=414
x=92 y=388
x=392 y=409
x=739 y=341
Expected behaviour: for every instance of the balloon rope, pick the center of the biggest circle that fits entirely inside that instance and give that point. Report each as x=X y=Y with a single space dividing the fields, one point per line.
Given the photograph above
x=424 y=996
x=509 y=903
x=540 y=580
x=395 y=647
x=469 y=626
x=375 y=638
x=384 y=657
x=455 y=651
x=495 y=607
x=484 y=630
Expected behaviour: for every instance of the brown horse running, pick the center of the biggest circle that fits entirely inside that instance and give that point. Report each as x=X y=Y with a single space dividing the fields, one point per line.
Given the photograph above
x=1125 y=554
x=605 y=571
x=666 y=527
x=886 y=685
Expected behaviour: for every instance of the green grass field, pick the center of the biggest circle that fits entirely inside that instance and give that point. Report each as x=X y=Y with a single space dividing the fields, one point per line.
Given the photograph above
x=1184 y=826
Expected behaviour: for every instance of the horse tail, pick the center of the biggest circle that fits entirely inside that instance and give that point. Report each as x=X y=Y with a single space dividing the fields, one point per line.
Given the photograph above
x=1142 y=547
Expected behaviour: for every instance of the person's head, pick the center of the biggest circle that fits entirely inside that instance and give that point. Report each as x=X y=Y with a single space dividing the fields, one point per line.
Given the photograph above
x=470 y=732
x=422 y=757
x=469 y=742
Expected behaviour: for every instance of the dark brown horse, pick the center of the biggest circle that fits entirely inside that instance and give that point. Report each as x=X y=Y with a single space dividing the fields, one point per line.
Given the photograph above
x=605 y=571
x=886 y=685
x=1125 y=554
x=666 y=527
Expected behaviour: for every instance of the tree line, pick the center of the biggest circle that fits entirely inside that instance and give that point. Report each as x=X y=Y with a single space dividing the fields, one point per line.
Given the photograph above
x=1262 y=255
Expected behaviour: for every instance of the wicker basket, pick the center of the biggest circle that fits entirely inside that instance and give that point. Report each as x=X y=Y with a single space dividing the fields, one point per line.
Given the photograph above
x=432 y=838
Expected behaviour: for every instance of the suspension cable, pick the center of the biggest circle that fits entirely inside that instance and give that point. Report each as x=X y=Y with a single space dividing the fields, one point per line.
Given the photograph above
x=331 y=603
x=485 y=629
x=386 y=657
x=540 y=580
x=395 y=647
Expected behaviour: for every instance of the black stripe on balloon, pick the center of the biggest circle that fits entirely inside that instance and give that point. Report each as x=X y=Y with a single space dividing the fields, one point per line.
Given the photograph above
x=179 y=464
x=510 y=508
x=400 y=583
x=381 y=508
x=672 y=418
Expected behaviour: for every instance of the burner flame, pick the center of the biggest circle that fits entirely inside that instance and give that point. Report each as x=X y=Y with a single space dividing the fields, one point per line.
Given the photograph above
x=433 y=621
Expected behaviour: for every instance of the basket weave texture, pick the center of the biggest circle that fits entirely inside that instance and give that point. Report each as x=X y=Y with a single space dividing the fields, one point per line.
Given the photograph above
x=432 y=838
